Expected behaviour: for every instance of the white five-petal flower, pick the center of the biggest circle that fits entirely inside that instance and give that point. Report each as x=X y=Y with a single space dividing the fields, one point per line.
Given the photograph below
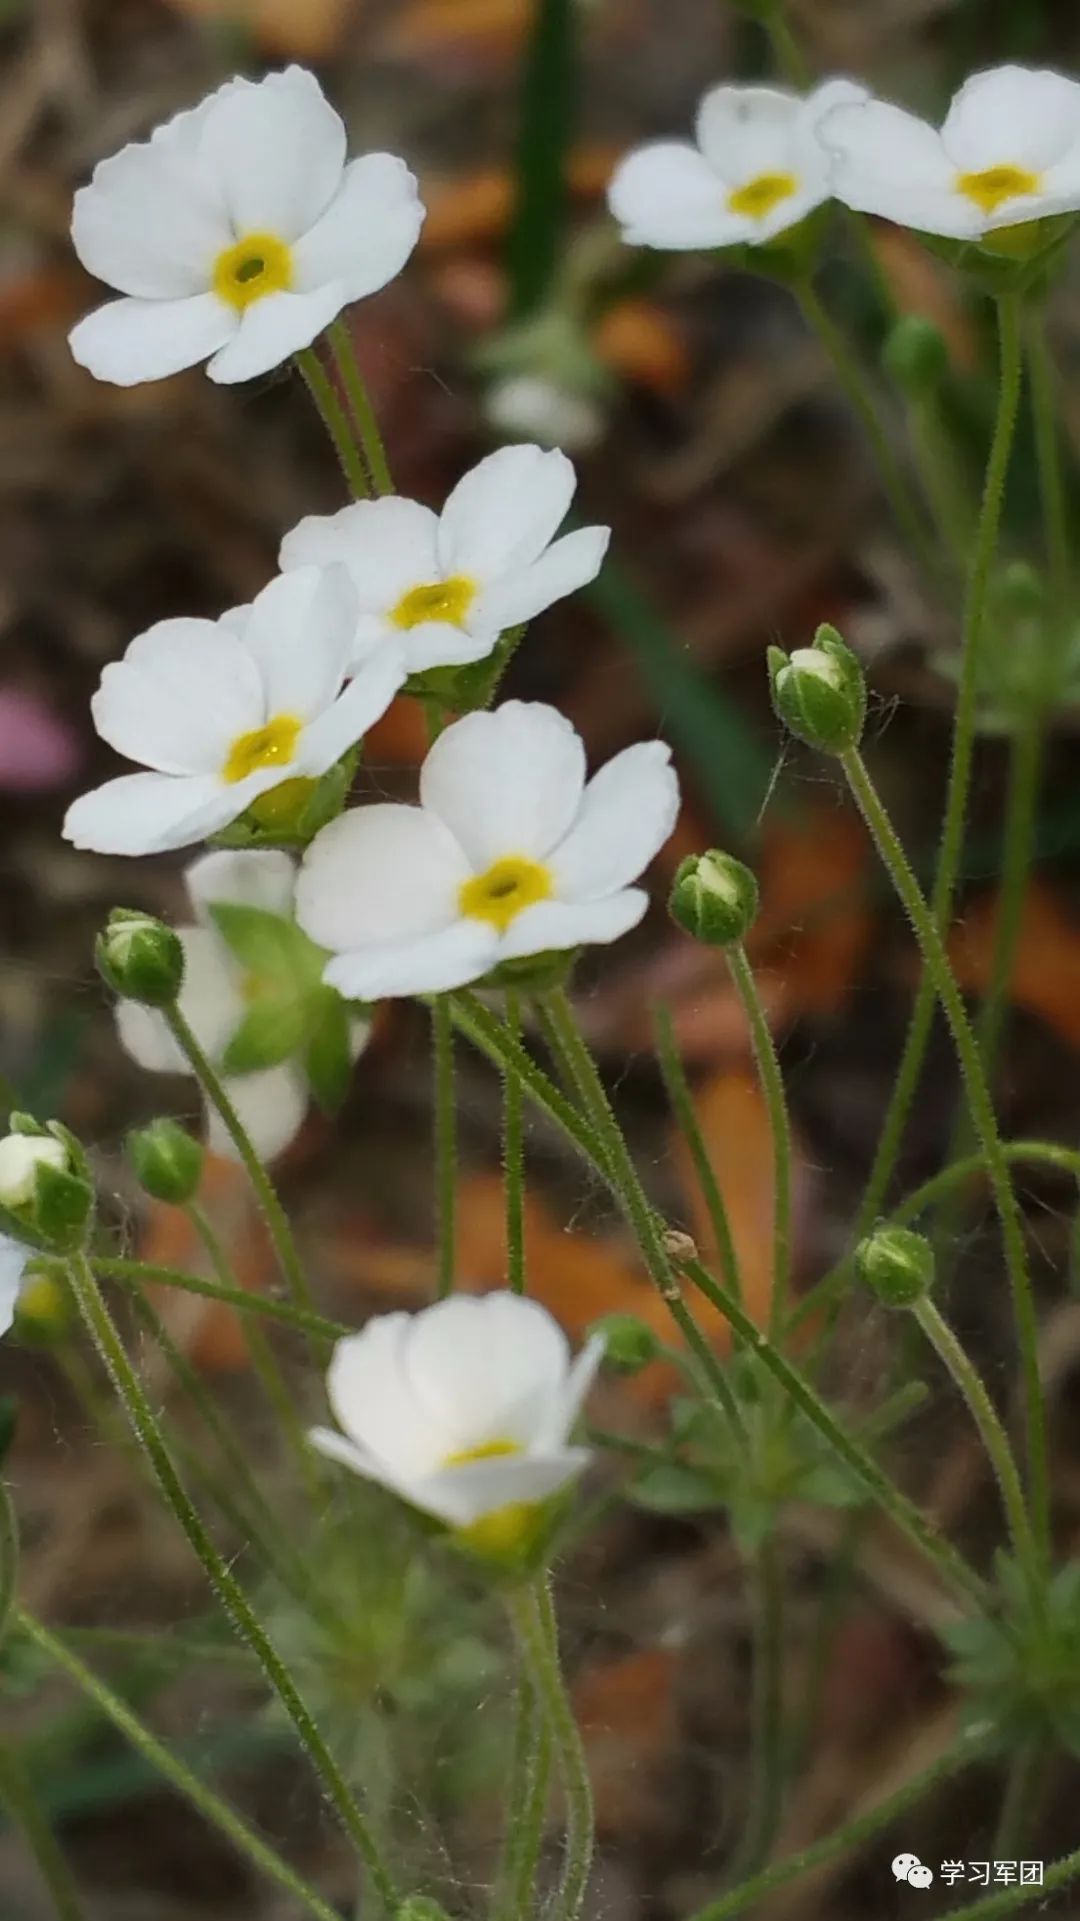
x=225 y=711
x=1008 y=152
x=13 y=1262
x=464 y=1410
x=214 y=999
x=510 y=853
x=444 y=586
x=757 y=169
x=238 y=230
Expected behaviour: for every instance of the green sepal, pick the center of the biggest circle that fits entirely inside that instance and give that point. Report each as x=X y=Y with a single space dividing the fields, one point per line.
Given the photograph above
x=269 y=947
x=63 y=1208
x=274 y=1027
x=790 y=258
x=460 y=690
x=328 y=1059
x=324 y=803
x=995 y=268
x=534 y=973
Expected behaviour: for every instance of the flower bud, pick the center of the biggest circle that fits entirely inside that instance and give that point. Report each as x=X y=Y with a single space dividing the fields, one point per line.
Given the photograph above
x=897 y=1264
x=916 y=356
x=819 y=692
x=20 y=1157
x=167 y=1161
x=46 y=1197
x=1020 y=591
x=44 y=1312
x=629 y=1345
x=714 y=898
x=140 y=958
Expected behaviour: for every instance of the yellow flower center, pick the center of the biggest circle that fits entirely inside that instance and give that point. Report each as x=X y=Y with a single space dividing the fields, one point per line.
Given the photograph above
x=508 y=887
x=258 y=264
x=487 y=1451
x=448 y=600
x=271 y=746
x=994 y=185
x=759 y=196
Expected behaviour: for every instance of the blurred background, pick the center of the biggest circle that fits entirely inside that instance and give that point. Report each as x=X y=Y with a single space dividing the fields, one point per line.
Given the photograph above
x=709 y=433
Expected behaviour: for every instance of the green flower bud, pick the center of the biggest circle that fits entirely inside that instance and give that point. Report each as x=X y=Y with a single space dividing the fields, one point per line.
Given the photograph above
x=140 y=958
x=819 y=692
x=1020 y=591
x=897 y=1264
x=628 y=1344
x=167 y=1160
x=714 y=898
x=420 y=1907
x=46 y=1198
x=21 y=1155
x=916 y=356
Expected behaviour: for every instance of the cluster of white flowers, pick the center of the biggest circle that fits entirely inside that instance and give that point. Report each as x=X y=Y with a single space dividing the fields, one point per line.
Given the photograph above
x=1007 y=154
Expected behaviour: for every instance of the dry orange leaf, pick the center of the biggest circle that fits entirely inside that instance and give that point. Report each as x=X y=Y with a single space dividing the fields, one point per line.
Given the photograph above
x=1047 y=964
x=447 y=26
x=643 y=344
x=815 y=920
x=734 y=1123
x=295 y=29
x=475 y=209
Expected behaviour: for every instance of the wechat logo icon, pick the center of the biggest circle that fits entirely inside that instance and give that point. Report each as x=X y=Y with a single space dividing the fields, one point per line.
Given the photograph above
x=908 y=1867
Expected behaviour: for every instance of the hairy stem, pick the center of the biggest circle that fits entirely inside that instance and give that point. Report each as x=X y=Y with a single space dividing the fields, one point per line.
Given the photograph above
x=682 y=1104
x=533 y=1618
x=335 y=420
x=446 y=1172
x=514 y=1159
x=363 y=413
x=21 y=1802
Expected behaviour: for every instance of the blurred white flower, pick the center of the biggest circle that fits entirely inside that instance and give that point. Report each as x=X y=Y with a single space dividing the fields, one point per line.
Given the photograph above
x=757 y=169
x=227 y=710
x=1007 y=153
x=536 y=405
x=464 y=1410
x=216 y=995
x=445 y=586
x=13 y=1262
x=509 y=853
x=238 y=230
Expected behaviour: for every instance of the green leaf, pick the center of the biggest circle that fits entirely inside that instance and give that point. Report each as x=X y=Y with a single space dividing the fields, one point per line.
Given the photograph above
x=328 y=1057
x=673 y=1488
x=547 y=104
x=271 y=948
x=274 y=1027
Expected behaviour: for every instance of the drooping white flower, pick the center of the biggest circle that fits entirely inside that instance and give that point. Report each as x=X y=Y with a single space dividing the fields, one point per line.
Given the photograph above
x=13 y=1262
x=464 y=1410
x=216 y=995
x=444 y=586
x=238 y=231
x=1008 y=152
x=227 y=710
x=509 y=853
x=757 y=169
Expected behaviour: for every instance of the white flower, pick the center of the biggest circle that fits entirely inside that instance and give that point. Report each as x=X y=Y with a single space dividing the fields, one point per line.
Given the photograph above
x=757 y=169
x=536 y=404
x=238 y=230
x=216 y=995
x=464 y=1410
x=509 y=853
x=446 y=585
x=13 y=1262
x=227 y=710
x=20 y=1157
x=1008 y=152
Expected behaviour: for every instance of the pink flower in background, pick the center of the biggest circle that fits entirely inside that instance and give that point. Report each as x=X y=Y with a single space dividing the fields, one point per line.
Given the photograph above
x=38 y=750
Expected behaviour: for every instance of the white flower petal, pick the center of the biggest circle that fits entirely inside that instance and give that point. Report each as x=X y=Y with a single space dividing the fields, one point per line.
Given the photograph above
x=1013 y=116
x=890 y=163
x=555 y=925
x=507 y=782
x=378 y=873
x=151 y=813
x=574 y=1395
x=374 y=1404
x=566 y=565
x=364 y=701
x=367 y=232
x=180 y=696
x=247 y=877
x=127 y=340
x=438 y=643
x=210 y=1001
x=273 y=328
x=667 y=195
x=421 y=964
x=299 y=633
x=13 y=1260
x=336 y=1448
x=276 y=152
x=504 y=511
x=487 y=1368
x=150 y=223
x=272 y=1105
x=627 y=813
x=747 y=131
x=387 y=545
x=463 y=1495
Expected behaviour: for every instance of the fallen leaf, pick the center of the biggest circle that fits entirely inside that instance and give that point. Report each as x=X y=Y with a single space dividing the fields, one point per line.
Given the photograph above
x=815 y=920
x=734 y=1123
x=1047 y=964
x=438 y=27
x=642 y=342
x=294 y=29
x=475 y=209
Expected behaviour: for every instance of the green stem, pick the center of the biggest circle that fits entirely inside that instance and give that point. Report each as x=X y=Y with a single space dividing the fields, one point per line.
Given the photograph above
x=514 y=1160
x=1011 y=1900
x=363 y=413
x=1021 y=811
x=742 y=1900
x=335 y=420
x=446 y=1170
x=9 y=1558
x=129 y=1391
x=526 y=1807
x=682 y=1104
x=857 y=391
x=984 y=1120
x=950 y=501
x=22 y=1804
x=985 y=1415
x=265 y=1193
x=173 y=1770
x=1045 y=411
x=790 y=57
x=1023 y=1789
x=973 y=643
x=492 y=1038
x=533 y=1619
x=951 y=1566
x=772 y=1087
x=767 y=1784
x=139 y=1274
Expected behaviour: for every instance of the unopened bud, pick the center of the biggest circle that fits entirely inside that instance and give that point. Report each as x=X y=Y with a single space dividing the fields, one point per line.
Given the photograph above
x=714 y=898
x=629 y=1345
x=819 y=692
x=45 y=1191
x=898 y=1264
x=916 y=356
x=20 y=1157
x=167 y=1160
x=140 y=958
